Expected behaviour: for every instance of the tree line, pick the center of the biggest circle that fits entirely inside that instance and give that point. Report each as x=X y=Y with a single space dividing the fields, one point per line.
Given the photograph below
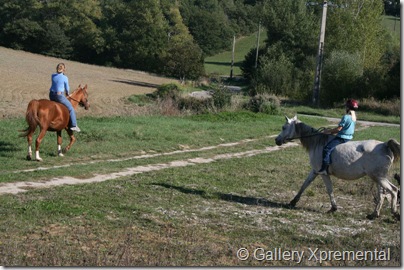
x=172 y=38
x=361 y=57
x=169 y=37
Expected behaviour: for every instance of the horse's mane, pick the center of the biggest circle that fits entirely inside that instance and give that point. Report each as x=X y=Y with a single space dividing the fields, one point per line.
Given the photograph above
x=310 y=137
x=78 y=89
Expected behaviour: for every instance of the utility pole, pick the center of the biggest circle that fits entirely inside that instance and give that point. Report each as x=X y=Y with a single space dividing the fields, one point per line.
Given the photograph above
x=317 y=78
x=258 y=44
x=232 y=57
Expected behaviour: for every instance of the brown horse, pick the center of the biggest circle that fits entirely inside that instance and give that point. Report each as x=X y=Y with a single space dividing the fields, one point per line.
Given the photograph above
x=52 y=116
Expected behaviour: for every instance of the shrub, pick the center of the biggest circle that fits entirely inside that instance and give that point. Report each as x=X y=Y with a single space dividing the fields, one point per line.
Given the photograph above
x=196 y=105
x=269 y=108
x=386 y=107
x=221 y=97
x=274 y=76
x=171 y=90
x=341 y=73
x=264 y=103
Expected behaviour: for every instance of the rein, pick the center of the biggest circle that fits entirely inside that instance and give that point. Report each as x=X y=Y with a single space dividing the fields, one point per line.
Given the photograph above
x=315 y=132
x=79 y=102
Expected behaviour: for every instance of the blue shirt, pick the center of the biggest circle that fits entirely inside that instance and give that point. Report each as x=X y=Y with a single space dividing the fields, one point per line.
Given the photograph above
x=60 y=83
x=348 y=127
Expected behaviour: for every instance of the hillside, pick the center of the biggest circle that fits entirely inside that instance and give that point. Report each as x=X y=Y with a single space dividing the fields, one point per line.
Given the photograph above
x=25 y=76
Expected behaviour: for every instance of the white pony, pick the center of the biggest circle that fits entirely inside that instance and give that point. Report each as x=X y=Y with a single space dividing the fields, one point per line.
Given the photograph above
x=351 y=160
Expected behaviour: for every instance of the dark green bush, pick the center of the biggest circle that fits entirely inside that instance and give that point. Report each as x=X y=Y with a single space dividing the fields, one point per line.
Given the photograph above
x=170 y=90
x=196 y=105
x=265 y=103
x=221 y=97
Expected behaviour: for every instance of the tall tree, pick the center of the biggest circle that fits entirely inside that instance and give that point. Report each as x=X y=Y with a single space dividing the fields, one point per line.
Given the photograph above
x=356 y=28
x=208 y=25
x=20 y=26
x=137 y=33
x=183 y=58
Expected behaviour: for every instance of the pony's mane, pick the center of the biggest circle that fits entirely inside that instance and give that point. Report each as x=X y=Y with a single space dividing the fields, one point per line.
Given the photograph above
x=78 y=89
x=310 y=137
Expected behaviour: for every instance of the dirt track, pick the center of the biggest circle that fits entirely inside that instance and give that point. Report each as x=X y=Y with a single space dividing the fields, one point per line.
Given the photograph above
x=25 y=76
x=17 y=187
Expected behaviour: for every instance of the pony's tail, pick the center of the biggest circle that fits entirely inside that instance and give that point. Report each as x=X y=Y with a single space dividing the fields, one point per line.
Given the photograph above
x=395 y=148
x=31 y=117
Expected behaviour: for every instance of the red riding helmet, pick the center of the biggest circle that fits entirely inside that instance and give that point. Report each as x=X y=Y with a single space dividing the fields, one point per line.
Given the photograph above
x=351 y=104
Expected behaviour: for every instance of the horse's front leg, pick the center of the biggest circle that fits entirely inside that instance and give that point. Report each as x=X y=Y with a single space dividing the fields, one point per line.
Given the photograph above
x=306 y=183
x=59 y=141
x=328 y=186
x=72 y=140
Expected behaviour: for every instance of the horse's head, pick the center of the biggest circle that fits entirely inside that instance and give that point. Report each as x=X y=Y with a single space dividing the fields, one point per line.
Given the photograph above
x=288 y=131
x=81 y=96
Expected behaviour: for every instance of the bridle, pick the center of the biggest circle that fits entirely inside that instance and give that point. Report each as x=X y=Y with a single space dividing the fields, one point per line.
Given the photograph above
x=81 y=103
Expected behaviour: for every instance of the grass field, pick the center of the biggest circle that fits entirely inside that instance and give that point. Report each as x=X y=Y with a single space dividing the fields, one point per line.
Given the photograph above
x=393 y=24
x=170 y=191
x=221 y=63
x=200 y=214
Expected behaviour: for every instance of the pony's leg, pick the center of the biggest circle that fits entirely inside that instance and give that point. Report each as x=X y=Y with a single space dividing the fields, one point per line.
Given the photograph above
x=328 y=186
x=72 y=140
x=29 y=139
x=307 y=182
x=59 y=141
x=384 y=184
x=379 y=202
x=38 y=143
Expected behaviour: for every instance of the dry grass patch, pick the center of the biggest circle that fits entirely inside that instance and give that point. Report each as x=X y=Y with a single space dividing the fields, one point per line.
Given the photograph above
x=25 y=76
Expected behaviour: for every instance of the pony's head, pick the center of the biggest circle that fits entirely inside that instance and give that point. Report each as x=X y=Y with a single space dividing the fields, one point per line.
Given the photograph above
x=288 y=131
x=81 y=96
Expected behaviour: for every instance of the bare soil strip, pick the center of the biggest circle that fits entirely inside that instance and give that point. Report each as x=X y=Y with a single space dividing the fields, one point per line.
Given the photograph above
x=17 y=187
x=144 y=156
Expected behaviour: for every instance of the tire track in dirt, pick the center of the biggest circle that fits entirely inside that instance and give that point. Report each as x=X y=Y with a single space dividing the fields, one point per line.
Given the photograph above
x=18 y=187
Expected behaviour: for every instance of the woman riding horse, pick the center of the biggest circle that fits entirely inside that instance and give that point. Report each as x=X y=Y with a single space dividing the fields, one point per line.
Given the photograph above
x=345 y=131
x=60 y=86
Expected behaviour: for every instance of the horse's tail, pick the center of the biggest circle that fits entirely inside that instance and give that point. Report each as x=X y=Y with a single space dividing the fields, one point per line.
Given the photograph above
x=31 y=117
x=395 y=148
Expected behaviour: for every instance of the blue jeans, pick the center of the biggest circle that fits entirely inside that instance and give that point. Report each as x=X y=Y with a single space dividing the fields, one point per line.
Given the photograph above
x=63 y=100
x=329 y=147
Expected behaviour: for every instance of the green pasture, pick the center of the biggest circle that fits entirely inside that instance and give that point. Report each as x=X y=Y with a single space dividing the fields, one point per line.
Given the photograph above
x=221 y=63
x=198 y=215
x=393 y=24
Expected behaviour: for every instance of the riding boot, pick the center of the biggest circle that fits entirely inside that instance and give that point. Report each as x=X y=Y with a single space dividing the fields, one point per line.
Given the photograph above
x=323 y=170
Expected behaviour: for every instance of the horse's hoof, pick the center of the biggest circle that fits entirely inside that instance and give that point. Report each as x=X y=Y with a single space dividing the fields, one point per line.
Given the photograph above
x=371 y=216
x=332 y=210
x=61 y=154
x=397 y=216
x=39 y=159
x=29 y=157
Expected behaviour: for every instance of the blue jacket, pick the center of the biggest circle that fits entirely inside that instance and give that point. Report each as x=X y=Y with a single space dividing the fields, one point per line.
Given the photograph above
x=60 y=83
